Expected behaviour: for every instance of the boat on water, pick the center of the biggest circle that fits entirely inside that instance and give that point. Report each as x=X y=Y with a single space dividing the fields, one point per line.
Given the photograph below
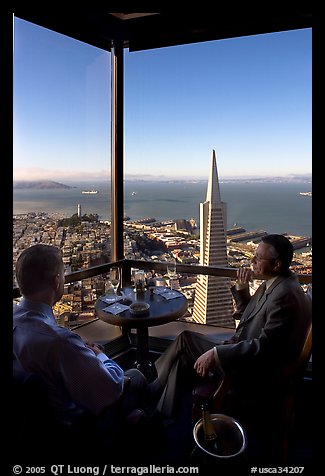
x=90 y=192
x=133 y=193
x=307 y=194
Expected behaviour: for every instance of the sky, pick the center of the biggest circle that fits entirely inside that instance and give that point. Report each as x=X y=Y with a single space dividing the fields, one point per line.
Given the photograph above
x=249 y=99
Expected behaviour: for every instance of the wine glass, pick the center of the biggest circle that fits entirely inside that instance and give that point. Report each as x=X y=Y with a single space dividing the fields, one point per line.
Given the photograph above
x=114 y=277
x=171 y=271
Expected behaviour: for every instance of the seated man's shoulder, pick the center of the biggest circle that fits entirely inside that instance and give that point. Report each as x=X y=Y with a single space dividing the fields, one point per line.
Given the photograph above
x=63 y=337
x=66 y=335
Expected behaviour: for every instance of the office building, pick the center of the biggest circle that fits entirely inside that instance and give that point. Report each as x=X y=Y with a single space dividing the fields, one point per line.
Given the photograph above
x=213 y=302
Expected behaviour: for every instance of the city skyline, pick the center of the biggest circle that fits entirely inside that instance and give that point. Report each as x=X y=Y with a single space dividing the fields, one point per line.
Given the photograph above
x=248 y=98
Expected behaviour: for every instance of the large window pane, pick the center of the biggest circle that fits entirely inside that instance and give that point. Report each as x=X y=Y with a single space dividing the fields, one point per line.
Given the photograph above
x=62 y=150
x=247 y=98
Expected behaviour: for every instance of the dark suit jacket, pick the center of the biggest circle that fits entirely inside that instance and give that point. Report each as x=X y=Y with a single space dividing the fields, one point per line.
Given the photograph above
x=269 y=335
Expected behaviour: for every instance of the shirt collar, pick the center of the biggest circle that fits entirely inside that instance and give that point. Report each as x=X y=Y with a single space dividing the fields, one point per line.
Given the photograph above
x=39 y=308
x=269 y=282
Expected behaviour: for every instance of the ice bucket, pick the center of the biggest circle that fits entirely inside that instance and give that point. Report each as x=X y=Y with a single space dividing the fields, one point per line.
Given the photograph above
x=231 y=439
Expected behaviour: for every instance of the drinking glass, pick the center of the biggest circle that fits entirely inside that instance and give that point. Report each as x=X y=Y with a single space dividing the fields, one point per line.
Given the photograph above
x=150 y=281
x=140 y=281
x=171 y=271
x=114 y=277
x=133 y=276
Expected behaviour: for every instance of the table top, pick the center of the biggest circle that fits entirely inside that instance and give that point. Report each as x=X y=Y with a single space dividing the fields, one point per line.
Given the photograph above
x=160 y=312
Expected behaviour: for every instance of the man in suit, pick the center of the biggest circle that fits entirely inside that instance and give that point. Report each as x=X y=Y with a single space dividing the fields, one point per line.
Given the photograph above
x=269 y=335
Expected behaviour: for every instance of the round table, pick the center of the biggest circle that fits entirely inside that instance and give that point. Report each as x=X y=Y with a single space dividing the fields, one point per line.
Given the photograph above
x=161 y=311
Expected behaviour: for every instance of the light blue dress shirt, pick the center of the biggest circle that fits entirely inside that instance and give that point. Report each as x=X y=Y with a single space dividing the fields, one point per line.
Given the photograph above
x=77 y=379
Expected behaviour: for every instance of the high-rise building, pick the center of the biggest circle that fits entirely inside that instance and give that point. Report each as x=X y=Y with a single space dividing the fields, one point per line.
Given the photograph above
x=79 y=210
x=213 y=302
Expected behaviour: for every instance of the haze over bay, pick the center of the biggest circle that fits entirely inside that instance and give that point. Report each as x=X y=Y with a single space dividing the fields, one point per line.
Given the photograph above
x=276 y=207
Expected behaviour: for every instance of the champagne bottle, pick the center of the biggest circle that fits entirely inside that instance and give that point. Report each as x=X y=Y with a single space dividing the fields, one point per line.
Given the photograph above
x=210 y=435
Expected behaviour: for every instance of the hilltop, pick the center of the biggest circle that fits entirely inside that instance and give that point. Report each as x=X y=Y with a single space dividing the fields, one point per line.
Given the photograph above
x=39 y=184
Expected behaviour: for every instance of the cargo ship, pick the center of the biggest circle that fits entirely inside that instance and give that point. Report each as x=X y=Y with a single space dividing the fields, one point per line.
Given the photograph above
x=90 y=192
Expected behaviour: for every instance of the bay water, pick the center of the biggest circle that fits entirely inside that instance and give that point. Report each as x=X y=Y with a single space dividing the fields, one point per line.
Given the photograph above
x=270 y=206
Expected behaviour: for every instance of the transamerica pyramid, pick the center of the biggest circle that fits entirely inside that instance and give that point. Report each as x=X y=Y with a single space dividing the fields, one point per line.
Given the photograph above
x=213 y=302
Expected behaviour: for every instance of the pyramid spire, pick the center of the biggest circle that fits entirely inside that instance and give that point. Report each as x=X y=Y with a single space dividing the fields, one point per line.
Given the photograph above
x=213 y=302
x=213 y=190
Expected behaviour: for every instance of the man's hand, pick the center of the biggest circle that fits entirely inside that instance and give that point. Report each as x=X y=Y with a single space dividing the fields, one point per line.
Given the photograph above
x=244 y=275
x=96 y=348
x=205 y=363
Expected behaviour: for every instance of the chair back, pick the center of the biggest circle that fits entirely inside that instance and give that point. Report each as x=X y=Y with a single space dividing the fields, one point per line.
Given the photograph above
x=293 y=378
x=293 y=373
x=35 y=427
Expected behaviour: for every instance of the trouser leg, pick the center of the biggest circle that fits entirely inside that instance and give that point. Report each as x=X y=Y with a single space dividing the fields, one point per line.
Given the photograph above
x=175 y=367
x=111 y=422
x=132 y=396
x=183 y=351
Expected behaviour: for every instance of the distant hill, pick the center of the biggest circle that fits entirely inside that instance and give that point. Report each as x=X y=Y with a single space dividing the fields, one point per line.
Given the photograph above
x=39 y=184
x=291 y=178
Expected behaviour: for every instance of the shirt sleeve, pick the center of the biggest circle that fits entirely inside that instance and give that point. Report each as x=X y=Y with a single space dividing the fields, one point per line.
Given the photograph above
x=216 y=356
x=93 y=382
x=108 y=363
x=240 y=286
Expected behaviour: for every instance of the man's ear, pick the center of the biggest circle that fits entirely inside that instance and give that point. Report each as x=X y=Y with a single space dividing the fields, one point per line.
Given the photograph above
x=277 y=265
x=56 y=282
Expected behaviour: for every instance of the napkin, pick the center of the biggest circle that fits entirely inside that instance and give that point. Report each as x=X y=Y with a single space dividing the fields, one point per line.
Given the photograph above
x=110 y=298
x=170 y=295
x=115 y=308
x=160 y=289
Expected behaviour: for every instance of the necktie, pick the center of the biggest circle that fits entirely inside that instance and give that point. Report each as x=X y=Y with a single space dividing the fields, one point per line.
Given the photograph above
x=260 y=292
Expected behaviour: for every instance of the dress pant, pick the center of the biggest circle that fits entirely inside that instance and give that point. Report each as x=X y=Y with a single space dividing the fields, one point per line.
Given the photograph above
x=134 y=393
x=175 y=368
x=110 y=426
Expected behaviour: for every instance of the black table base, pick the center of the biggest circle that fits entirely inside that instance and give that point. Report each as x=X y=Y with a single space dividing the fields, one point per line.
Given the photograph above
x=143 y=362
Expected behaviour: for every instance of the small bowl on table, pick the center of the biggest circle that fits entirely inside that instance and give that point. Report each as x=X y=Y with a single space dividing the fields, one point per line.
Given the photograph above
x=139 y=308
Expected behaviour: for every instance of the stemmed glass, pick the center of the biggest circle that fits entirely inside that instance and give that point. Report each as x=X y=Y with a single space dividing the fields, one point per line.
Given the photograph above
x=114 y=277
x=171 y=271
